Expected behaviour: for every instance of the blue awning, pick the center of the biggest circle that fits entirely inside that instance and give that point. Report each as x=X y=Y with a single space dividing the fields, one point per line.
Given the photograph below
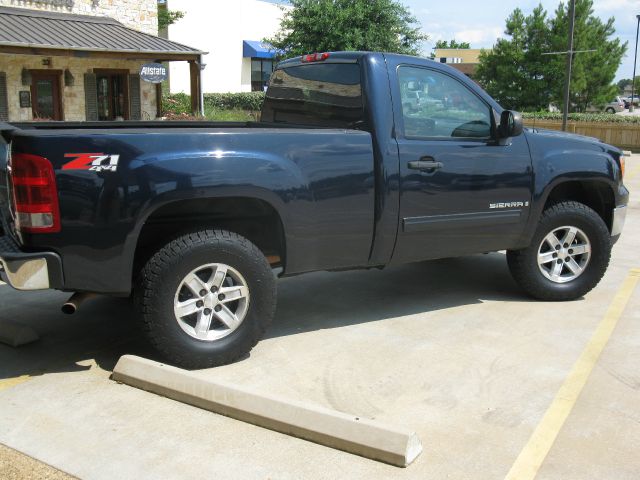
x=257 y=49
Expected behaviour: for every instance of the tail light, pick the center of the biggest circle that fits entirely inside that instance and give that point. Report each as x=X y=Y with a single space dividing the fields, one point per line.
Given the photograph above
x=34 y=194
x=314 y=57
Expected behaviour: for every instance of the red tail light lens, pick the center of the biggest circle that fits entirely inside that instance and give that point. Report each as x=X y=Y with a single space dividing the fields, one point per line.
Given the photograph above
x=314 y=57
x=34 y=194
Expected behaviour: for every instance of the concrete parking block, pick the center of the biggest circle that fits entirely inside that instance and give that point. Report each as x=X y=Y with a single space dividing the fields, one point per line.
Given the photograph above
x=334 y=429
x=15 y=334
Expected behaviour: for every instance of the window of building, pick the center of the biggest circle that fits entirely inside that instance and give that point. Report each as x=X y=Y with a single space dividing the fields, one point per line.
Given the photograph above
x=113 y=96
x=261 y=70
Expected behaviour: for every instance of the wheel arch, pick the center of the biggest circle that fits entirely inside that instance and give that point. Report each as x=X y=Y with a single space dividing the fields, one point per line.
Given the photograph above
x=252 y=217
x=595 y=194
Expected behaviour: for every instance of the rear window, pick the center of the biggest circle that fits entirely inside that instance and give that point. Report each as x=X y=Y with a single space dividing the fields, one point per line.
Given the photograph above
x=324 y=95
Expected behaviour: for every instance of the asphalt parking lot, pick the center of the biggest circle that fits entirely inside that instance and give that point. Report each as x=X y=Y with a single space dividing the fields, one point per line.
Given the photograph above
x=451 y=349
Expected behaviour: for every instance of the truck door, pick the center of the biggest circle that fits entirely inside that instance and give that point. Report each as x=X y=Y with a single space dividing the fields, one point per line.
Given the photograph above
x=462 y=192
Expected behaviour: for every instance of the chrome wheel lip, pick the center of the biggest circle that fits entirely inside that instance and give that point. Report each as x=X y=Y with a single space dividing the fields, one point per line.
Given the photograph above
x=572 y=249
x=207 y=304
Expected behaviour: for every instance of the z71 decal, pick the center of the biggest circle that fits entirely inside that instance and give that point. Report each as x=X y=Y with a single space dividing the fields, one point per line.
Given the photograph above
x=97 y=162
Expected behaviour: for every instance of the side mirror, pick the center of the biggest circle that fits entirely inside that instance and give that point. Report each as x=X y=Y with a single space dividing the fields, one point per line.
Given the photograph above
x=510 y=124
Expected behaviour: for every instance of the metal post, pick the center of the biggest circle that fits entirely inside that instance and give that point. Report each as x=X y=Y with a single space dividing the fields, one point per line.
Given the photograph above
x=201 y=65
x=567 y=80
x=635 y=57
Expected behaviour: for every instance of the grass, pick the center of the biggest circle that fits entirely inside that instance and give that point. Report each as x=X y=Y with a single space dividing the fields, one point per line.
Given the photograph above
x=231 y=115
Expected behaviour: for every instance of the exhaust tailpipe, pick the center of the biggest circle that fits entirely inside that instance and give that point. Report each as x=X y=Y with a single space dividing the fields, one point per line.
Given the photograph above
x=74 y=302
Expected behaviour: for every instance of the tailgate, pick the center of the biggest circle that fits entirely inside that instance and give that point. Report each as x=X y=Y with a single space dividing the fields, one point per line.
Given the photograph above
x=5 y=137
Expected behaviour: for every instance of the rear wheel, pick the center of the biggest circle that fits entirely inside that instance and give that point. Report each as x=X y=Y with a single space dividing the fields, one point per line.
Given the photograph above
x=568 y=254
x=206 y=298
x=610 y=110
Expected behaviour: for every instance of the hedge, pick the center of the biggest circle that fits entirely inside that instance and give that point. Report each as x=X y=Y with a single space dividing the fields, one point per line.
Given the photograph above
x=179 y=103
x=240 y=101
x=583 y=117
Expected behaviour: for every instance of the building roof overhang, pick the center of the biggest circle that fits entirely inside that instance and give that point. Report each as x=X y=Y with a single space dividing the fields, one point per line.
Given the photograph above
x=33 y=32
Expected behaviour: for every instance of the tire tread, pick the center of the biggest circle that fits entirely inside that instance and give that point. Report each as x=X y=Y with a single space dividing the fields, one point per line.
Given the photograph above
x=519 y=260
x=152 y=275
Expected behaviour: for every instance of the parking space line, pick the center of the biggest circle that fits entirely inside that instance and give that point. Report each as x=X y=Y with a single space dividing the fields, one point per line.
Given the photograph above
x=535 y=451
x=12 y=382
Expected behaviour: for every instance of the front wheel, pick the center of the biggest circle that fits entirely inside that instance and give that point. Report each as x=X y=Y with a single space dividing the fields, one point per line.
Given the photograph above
x=568 y=255
x=206 y=298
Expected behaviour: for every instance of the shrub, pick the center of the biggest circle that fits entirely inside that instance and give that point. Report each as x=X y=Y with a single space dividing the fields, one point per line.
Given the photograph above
x=176 y=104
x=583 y=117
x=234 y=101
x=180 y=103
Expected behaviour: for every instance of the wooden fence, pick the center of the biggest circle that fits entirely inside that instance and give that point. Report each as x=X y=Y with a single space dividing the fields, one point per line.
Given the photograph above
x=623 y=135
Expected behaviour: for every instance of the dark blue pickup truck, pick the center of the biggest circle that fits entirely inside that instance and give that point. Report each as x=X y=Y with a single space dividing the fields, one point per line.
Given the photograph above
x=360 y=160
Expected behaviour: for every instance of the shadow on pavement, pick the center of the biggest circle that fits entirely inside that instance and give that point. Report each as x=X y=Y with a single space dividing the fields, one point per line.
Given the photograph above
x=105 y=328
x=329 y=300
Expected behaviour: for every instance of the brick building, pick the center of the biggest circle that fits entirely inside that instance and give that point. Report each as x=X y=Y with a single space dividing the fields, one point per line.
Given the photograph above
x=79 y=60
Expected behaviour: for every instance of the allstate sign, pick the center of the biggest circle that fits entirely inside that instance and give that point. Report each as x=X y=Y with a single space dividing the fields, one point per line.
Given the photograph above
x=153 y=72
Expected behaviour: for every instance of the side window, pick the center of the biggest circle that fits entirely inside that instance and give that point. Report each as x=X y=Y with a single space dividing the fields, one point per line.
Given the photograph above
x=436 y=105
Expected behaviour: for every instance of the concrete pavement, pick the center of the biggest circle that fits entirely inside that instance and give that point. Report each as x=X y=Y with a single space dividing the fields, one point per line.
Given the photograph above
x=451 y=349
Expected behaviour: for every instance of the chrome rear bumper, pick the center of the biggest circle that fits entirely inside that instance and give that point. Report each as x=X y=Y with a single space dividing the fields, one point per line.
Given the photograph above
x=29 y=271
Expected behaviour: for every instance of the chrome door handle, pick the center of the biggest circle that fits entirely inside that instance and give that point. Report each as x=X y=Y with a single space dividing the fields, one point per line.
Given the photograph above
x=425 y=165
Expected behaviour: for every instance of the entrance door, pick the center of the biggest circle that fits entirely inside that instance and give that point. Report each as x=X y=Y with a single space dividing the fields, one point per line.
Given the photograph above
x=45 y=95
x=113 y=95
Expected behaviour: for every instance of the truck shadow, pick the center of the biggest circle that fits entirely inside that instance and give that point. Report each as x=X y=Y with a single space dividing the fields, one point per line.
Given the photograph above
x=331 y=300
x=105 y=328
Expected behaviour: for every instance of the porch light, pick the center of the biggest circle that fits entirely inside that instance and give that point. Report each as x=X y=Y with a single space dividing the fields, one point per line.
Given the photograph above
x=69 y=80
x=26 y=77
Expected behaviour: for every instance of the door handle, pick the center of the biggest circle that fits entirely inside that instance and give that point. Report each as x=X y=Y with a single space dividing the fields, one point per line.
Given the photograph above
x=425 y=164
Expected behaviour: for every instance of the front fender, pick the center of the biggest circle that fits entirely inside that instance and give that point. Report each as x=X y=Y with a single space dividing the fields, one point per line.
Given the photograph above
x=559 y=159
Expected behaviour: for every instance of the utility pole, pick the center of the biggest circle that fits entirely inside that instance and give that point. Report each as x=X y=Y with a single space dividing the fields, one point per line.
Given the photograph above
x=567 y=80
x=569 y=53
x=635 y=57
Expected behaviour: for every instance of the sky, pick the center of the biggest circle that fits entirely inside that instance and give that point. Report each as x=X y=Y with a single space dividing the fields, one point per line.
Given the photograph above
x=481 y=22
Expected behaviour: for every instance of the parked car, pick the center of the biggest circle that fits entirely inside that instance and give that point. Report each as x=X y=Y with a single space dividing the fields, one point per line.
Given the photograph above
x=195 y=220
x=614 y=106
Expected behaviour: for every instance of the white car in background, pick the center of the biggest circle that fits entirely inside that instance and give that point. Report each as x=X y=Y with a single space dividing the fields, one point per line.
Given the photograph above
x=614 y=106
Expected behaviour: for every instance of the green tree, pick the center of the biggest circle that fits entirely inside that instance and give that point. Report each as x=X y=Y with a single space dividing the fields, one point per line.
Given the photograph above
x=514 y=71
x=168 y=17
x=334 y=25
x=518 y=74
x=623 y=84
x=592 y=72
x=440 y=44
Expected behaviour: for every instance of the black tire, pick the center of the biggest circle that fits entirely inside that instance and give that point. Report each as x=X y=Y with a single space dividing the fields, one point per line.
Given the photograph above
x=610 y=110
x=163 y=274
x=523 y=264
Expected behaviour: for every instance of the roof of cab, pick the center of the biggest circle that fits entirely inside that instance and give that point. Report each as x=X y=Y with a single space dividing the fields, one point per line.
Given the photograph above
x=352 y=57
